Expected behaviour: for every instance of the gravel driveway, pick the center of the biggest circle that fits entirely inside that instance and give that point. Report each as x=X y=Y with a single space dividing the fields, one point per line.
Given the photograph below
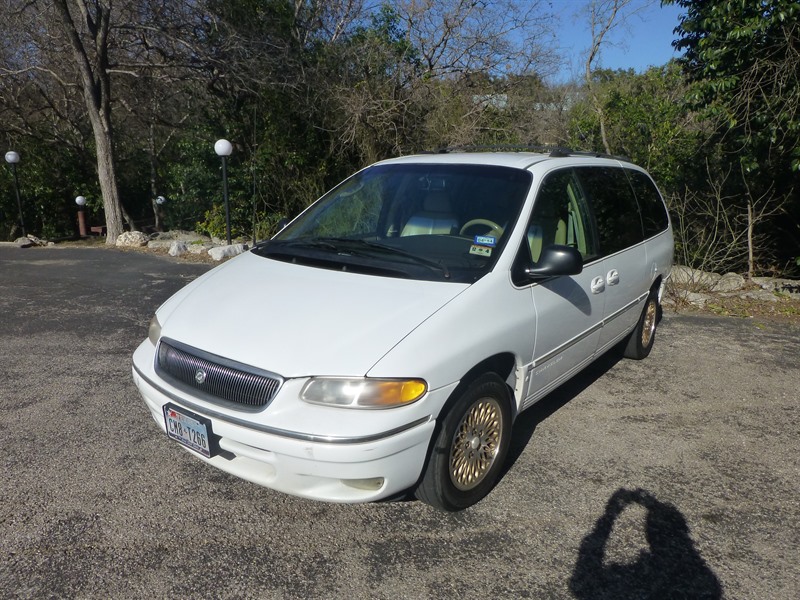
x=674 y=477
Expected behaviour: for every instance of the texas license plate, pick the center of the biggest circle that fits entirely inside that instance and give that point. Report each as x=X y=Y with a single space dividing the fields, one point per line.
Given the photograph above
x=189 y=429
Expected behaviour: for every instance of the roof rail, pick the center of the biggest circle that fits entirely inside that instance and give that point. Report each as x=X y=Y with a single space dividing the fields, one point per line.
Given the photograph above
x=600 y=155
x=540 y=148
x=553 y=150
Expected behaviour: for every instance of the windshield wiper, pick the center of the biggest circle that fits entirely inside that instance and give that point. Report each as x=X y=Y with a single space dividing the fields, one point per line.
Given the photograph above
x=363 y=248
x=305 y=243
x=432 y=264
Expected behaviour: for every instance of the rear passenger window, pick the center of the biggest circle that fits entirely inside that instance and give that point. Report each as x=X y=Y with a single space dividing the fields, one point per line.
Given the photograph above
x=654 y=214
x=619 y=224
x=561 y=216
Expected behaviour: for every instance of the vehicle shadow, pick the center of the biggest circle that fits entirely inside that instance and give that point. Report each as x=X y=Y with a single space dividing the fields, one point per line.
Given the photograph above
x=670 y=568
x=527 y=422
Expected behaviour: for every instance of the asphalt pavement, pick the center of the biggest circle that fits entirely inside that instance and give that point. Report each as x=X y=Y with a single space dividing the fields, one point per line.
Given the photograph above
x=672 y=477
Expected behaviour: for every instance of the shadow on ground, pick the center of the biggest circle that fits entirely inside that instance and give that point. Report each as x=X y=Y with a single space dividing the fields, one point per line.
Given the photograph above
x=671 y=567
x=527 y=422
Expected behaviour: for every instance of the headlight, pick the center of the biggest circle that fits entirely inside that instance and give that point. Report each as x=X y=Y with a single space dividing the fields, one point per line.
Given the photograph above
x=154 y=330
x=363 y=393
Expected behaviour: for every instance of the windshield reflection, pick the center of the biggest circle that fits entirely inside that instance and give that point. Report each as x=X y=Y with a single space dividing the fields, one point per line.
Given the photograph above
x=420 y=221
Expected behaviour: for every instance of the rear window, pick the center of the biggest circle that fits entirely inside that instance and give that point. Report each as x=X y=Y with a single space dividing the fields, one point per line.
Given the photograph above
x=654 y=213
x=616 y=212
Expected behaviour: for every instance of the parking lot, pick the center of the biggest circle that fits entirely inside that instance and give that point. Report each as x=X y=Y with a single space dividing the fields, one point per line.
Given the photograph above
x=676 y=476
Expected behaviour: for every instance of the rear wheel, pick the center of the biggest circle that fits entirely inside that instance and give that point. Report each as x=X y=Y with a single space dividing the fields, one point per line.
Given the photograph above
x=470 y=448
x=641 y=341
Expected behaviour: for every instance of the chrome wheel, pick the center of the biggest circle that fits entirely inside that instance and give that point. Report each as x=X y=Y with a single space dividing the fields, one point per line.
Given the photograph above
x=476 y=443
x=649 y=323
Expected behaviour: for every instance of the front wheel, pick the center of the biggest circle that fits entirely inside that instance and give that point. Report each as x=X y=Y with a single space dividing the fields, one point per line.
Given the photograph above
x=641 y=341
x=470 y=448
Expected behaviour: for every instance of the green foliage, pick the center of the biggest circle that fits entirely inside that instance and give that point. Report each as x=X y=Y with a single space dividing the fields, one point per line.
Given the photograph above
x=743 y=71
x=742 y=62
x=647 y=121
x=49 y=181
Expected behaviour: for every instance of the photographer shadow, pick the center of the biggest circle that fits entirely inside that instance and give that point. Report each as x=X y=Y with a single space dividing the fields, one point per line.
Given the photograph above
x=670 y=568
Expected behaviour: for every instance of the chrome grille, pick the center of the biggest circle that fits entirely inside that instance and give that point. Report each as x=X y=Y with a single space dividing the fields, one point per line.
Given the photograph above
x=215 y=378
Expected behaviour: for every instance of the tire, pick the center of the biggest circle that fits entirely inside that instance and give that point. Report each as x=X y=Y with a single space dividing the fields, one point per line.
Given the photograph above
x=470 y=448
x=641 y=341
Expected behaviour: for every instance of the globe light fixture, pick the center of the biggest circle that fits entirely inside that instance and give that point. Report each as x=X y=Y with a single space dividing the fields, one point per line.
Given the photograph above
x=12 y=158
x=223 y=148
x=81 y=202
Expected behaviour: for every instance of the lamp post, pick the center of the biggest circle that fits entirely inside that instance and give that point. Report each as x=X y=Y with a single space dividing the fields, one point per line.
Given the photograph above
x=12 y=158
x=223 y=148
x=81 y=202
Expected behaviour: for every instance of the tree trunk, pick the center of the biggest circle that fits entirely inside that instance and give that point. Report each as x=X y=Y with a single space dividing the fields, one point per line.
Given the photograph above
x=107 y=175
x=154 y=180
x=96 y=84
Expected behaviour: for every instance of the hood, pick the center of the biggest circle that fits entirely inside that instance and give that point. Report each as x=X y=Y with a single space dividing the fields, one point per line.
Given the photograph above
x=296 y=320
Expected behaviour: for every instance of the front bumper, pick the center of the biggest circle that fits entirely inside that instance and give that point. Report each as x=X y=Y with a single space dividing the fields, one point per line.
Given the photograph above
x=358 y=463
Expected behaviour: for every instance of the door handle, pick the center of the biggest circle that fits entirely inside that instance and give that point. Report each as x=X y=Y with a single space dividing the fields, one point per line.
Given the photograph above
x=598 y=285
x=612 y=277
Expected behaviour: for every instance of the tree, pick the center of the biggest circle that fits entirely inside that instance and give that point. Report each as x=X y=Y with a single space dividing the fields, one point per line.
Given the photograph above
x=92 y=50
x=604 y=17
x=646 y=119
x=742 y=60
x=88 y=42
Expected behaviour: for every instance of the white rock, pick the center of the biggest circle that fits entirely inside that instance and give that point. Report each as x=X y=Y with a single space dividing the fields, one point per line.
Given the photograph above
x=132 y=239
x=694 y=278
x=180 y=236
x=760 y=296
x=199 y=248
x=221 y=252
x=697 y=299
x=177 y=248
x=160 y=244
x=730 y=282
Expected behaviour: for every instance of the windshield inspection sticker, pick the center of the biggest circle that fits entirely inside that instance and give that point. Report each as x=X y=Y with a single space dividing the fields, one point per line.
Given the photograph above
x=480 y=250
x=485 y=240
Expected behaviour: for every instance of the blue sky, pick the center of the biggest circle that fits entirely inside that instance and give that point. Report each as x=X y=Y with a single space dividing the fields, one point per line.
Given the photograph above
x=644 y=40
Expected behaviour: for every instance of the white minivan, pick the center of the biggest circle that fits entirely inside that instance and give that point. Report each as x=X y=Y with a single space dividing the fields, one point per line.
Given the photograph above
x=385 y=340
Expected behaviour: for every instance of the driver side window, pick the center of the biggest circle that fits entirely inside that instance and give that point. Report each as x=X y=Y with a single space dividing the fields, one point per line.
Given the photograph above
x=561 y=217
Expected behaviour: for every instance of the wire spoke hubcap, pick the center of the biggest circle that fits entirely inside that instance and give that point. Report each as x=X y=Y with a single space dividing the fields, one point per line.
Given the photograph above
x=649 y=325
x=475 y=443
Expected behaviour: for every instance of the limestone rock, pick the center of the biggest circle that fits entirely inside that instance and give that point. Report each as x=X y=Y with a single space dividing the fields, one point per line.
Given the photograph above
x=221 y=252
x=132 y=239
x=180 y=236
x=730 y=282
x=160 y=244
x=199 y=248
x=178 y=248
x=693 y=278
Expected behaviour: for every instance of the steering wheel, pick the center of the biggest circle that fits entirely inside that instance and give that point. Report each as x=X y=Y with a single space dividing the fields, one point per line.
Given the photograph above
x=493 y=227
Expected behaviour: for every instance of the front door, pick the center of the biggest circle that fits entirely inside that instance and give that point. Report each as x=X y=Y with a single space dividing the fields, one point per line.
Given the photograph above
x=569 y=309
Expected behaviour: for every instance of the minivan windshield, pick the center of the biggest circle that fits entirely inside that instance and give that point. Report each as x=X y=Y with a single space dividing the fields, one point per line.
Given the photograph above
x=436 y=222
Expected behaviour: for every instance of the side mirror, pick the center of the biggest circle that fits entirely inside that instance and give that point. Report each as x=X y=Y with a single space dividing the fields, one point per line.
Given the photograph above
x=282 y=223
x=554 y=261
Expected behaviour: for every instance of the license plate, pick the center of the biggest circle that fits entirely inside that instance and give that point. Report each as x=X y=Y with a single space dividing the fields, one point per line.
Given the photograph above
x=189 y=429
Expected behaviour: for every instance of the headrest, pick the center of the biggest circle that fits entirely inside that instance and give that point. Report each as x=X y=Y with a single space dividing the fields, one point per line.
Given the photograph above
x=436 y=201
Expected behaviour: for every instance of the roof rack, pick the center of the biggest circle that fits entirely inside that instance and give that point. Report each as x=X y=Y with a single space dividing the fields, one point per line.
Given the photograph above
x=540 y=148
x=599 y=155
x=552 y=150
